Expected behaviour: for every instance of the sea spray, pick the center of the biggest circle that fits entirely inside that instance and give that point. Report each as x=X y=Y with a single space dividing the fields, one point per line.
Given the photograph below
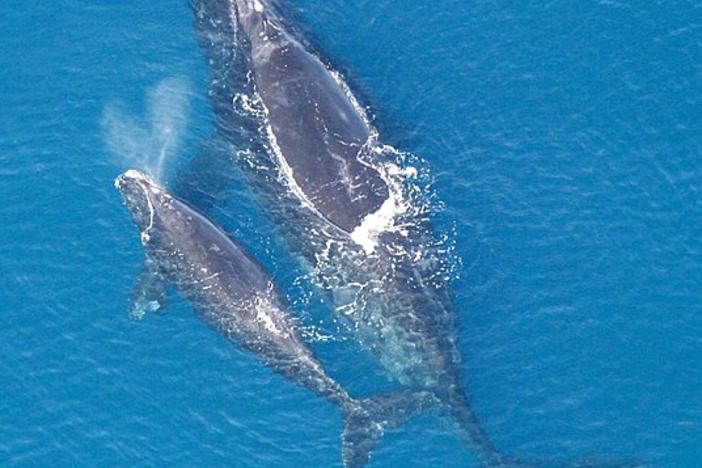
x=147 y=142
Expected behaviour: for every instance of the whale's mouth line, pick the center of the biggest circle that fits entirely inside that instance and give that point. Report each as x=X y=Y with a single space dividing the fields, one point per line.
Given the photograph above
x=144 y=182
x=145 y=236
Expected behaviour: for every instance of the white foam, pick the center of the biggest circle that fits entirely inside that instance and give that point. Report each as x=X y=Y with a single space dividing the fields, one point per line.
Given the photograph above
x=382 y=220
x=366 y=234
x=258 y=6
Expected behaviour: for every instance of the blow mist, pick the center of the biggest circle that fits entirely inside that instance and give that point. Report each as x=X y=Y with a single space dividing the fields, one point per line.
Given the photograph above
x=148 y=141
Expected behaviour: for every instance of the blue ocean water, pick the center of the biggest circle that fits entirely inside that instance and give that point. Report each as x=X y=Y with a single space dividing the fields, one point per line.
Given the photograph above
x=564 y=139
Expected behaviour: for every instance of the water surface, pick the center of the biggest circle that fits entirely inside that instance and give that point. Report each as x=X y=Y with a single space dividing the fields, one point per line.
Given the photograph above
x=564 y=139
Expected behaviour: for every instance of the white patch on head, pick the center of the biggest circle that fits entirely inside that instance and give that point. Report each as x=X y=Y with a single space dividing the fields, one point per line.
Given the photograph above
x=152 y=185
x=262 y=52
x=134 y=174
x=257 y=6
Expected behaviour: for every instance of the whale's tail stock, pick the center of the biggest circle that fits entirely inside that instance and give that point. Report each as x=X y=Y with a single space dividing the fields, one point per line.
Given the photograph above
x=366 y=420
x=487 y=454
x=485 y=451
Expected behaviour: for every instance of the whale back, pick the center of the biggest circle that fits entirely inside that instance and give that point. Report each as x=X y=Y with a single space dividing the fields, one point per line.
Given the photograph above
x=319 y=133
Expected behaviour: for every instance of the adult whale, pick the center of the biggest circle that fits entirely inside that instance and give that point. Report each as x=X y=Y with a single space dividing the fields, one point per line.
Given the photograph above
x=233 y=294
x=342 y=202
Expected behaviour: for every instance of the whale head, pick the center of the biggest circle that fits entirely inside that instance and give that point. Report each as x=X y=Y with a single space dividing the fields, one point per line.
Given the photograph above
x=143 y=197
x=250 y=6
x=261 y=24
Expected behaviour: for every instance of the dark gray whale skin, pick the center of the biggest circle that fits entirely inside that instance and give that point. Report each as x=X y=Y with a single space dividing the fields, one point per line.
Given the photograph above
x=229 y=289
x=233 y=294
x=396 y=299
x=406 y=319
x=320 y=134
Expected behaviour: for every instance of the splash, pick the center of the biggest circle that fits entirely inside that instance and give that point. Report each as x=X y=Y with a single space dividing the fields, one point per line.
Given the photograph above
x=149 y=141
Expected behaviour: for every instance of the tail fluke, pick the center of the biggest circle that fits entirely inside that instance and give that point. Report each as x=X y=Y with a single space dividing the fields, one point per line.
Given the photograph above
x=368 y=419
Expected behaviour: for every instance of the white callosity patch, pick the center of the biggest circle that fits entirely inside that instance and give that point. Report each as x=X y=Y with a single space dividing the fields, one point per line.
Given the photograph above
x=263 y=317
x=134 y=174
x=145 y=236
x=265 y=50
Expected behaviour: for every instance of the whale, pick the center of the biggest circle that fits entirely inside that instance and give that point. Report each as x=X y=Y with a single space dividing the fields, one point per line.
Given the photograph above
x=233 y=294
x=343 y=202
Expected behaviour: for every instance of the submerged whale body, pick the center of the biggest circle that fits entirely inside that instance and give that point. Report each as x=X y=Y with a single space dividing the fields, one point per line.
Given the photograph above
x=233 y=294
x=317 y=175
